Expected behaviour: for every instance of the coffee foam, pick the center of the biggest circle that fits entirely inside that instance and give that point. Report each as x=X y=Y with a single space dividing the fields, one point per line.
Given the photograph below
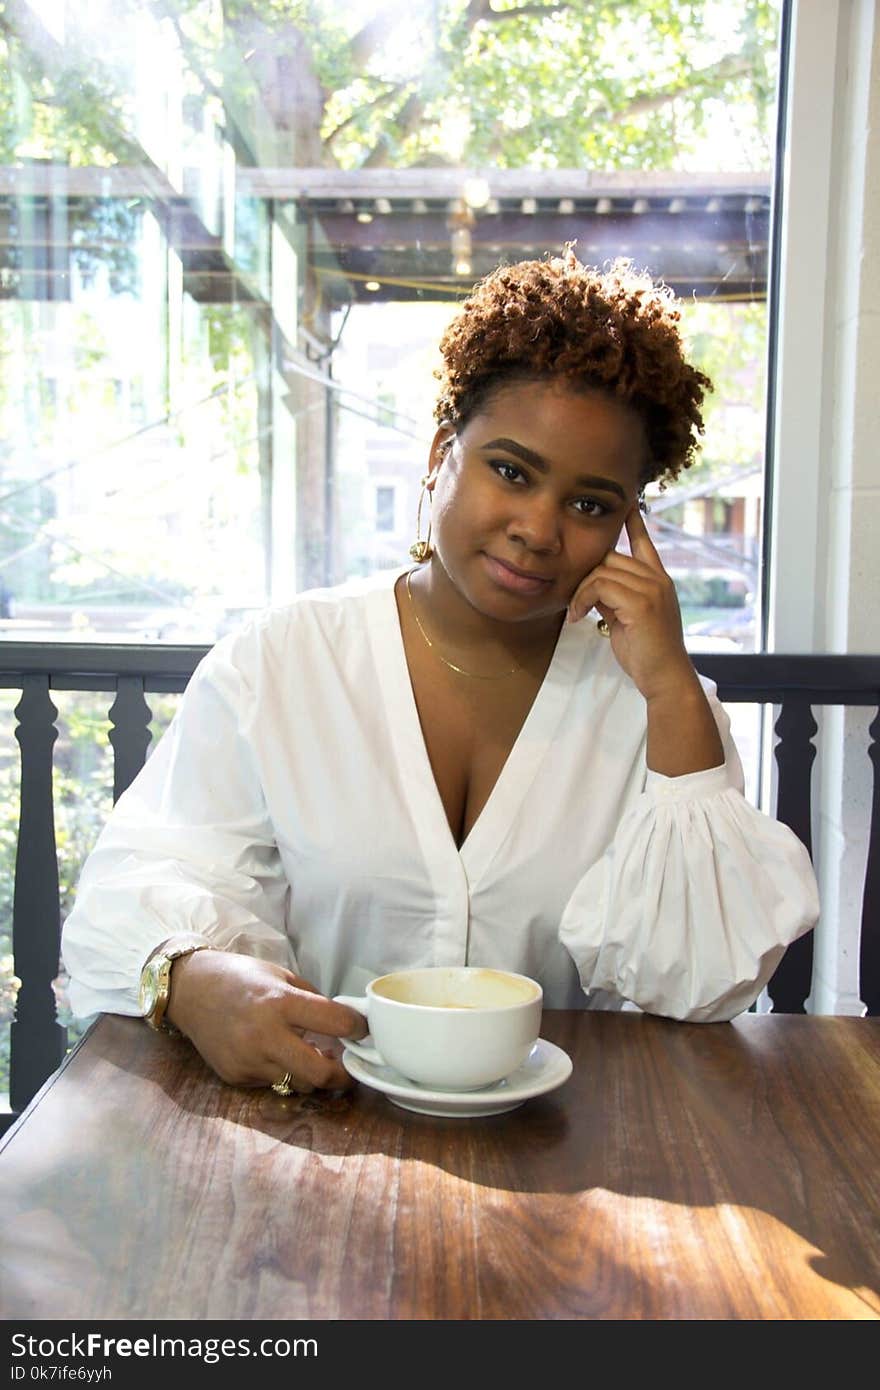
x=456 y=988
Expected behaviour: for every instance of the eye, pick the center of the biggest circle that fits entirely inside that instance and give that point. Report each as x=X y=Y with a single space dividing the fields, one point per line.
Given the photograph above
x=590 y=507
x=509 y=472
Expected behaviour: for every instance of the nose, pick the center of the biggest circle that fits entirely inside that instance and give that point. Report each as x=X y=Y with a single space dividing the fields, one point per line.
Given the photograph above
x=536 y=524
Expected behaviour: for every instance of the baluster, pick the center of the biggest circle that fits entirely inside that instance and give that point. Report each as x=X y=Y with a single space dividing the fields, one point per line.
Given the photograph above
x=794 y=758
x=869 y=961
x=795 y=752
x=130 y=716
x=37 y=1041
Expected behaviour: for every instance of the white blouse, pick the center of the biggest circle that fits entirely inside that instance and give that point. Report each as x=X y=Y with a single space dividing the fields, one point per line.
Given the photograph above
x=290 y=812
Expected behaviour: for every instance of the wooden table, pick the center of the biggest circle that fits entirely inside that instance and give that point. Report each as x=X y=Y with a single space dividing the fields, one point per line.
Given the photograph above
x=684 y=1171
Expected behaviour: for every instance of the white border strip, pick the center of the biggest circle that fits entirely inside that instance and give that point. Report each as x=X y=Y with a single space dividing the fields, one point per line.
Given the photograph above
x=795 y=569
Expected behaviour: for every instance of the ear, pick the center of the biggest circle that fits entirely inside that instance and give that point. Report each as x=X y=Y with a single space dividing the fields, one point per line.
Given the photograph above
x=440 y=446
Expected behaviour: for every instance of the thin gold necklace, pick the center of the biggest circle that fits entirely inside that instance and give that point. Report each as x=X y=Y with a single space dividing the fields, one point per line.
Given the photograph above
x=451 y=664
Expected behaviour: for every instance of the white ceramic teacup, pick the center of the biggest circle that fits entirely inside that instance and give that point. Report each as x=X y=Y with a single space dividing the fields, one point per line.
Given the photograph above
x=451 y=1028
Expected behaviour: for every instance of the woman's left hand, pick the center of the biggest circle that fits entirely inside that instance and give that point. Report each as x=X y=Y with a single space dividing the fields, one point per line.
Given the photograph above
x=637 y=599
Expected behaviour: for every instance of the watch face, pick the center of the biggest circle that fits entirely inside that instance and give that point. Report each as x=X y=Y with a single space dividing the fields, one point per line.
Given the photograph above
x=149 y=991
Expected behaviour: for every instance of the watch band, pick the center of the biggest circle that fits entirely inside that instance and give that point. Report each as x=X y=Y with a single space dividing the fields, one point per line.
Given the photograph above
x=156 y=979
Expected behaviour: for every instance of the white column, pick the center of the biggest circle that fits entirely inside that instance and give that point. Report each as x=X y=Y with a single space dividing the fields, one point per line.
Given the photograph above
x=848 y=614
x=825 y=515
x=800 y=370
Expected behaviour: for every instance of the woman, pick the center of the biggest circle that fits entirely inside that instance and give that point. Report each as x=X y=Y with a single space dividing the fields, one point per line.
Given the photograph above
x=453 y=765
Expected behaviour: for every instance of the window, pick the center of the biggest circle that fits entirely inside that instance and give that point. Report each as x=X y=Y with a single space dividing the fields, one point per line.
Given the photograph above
x=222 y=291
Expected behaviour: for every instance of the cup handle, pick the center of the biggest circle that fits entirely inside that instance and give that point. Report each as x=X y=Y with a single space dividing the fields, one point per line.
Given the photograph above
x=361 y=1049
x=354 y=1001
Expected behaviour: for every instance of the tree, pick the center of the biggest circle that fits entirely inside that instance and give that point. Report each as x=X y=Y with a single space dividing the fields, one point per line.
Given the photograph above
x=555 y=85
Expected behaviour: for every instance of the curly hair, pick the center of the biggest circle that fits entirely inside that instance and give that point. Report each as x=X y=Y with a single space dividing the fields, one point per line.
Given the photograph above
x=615 y=331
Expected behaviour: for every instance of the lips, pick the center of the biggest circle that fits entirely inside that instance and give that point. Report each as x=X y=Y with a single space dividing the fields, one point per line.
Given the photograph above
x=514 y=579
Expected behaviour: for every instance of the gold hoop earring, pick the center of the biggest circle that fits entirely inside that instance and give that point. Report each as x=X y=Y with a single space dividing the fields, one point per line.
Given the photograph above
x=422 y=550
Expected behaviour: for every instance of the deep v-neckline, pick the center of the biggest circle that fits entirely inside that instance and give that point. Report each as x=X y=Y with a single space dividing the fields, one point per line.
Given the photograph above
x=511 y=787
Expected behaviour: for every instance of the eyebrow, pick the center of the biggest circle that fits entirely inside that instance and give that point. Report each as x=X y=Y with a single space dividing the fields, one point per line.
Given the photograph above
x=536 y=461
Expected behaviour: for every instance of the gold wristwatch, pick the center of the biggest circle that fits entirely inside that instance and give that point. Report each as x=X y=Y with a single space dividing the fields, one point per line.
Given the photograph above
x=155 y=989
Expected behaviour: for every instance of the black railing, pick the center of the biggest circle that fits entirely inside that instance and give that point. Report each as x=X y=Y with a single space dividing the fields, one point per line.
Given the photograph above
x=130 y=673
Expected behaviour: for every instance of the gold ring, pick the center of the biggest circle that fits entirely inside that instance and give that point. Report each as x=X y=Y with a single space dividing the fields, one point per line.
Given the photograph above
x=603 y=628
x=283 y=1087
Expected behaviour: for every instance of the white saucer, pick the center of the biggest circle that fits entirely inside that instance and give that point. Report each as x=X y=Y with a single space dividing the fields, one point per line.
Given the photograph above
x=545 y=1068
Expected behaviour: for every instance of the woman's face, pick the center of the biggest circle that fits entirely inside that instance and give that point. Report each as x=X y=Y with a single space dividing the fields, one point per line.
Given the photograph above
x=531 y=494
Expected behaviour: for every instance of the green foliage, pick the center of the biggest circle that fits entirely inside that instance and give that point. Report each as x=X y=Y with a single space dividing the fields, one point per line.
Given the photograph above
x=103 y=234
x=63 y=103
x=577 y=85
x=728 y=343
x=550 y=85
x=696 y=594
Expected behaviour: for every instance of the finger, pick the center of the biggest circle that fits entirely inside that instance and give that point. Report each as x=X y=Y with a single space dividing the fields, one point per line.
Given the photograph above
x=328 y=1047
x=642 y=546
x=634 y=574
x=616 y=559
x=310 y=1069
x=321 y=1015
x=292 y=1086
x=625 y=568
x=617 y=591
x=299 y=983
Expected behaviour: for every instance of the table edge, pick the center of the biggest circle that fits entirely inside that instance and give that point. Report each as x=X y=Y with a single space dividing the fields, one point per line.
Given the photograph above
x=37 y=1099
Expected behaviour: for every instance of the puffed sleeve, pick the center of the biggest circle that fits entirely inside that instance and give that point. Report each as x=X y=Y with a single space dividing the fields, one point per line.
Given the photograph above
x=689 y=911
x=189 y=847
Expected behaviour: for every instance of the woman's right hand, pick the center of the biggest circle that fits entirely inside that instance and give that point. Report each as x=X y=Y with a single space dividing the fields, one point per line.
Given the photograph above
x=246 y=1017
